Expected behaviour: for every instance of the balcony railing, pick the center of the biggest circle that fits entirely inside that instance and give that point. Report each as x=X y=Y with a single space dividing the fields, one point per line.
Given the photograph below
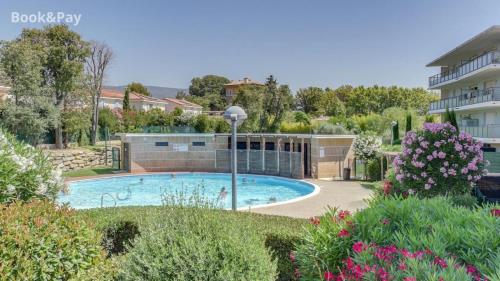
x=488 y=131
x=473 y=97
x=465 y=68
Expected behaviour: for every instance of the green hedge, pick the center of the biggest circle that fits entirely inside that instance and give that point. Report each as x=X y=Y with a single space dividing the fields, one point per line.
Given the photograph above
x=279 y=234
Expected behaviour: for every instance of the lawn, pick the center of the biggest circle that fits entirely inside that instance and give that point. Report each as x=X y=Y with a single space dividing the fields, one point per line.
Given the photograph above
x=89 y=172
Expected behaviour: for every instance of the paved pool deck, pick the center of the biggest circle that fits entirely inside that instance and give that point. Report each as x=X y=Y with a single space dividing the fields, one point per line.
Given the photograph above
x=346 y=195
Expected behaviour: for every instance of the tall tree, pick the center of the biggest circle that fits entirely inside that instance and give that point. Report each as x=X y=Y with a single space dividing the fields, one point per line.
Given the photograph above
x=277 y=101
x=208 y=91
x=310 y=100
x=96 y=67
x=137 y=87
x=63 y=68
x=126 y=100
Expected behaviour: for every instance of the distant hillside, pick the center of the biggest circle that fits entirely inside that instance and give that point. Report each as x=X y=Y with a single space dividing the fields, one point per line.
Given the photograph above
x=156 y=91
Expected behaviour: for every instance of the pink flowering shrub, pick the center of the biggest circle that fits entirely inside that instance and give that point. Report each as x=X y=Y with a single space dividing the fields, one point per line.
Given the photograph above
x=394 y=239
x=438 y=160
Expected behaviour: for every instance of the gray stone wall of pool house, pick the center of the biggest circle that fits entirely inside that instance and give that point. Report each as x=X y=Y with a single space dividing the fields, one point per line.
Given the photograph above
x=288 y=155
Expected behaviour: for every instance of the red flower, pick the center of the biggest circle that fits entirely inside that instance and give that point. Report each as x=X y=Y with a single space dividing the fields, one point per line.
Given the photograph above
x=385 y=221
x=409 y=279
x=495 y=212
x=402 y=266
x=344 y=214
x=328 y=276
x=297 y=273
x=441 y=278
x=343 y=233
x=471 y=269
x=441 y=262
x=314 y=220
x=358 y=247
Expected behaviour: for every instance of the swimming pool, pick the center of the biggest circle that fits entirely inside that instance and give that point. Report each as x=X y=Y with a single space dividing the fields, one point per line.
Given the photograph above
x=152 y=189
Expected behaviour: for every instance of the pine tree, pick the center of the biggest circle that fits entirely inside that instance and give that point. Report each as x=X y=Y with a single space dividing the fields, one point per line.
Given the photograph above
x=126 y=100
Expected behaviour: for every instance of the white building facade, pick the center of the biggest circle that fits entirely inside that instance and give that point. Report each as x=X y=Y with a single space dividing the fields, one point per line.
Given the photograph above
x=469 y=82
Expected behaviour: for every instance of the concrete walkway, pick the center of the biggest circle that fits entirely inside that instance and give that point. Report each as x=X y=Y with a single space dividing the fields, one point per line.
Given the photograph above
x=347 y=195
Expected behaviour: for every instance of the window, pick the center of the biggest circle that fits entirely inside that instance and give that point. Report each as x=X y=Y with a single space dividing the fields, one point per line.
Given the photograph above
x=254 y=145
x=287 y=146
x=198 y=143
x=161 y=143
x=269 y=145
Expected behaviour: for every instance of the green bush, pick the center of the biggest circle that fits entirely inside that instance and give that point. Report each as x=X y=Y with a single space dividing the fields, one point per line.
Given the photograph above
x=296 y=128
x=25 y=172
x=464 y=200
x=193 y=244
x=117 y=237
x=43 y=242
x=374 y=168
x=282 y=248
x=433 y=225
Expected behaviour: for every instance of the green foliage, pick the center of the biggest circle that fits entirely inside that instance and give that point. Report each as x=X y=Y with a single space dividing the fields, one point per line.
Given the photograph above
x=310 y=100
x=278 y=233
x=323 y=246
x=450 y=117
x=118 y=236
x=136 y=87
x=330 y=129
x=282 y=248
x=208 y=91
x=108 y=119
x=332 y=105
x=251 y=99
x=408 y=122
x=25 y=172
x=429 y=118
x=374 y=169
x=464 y=200
x=432 y=226
x=30 y=120
x=296 y=128
x=301 y=117
x=277 y=101
x=193 y=245
x=202 y=123
x=76 y=124
x=158 y=117
x=43 y=242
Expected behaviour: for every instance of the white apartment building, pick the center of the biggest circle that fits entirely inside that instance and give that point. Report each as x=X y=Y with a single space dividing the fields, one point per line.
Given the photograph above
x=469 y=81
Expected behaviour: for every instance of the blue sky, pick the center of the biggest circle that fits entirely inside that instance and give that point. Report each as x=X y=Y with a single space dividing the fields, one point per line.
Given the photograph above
x=302 y=43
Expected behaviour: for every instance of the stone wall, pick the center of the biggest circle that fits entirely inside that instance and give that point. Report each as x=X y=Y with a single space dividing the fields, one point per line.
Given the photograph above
x=74 y=159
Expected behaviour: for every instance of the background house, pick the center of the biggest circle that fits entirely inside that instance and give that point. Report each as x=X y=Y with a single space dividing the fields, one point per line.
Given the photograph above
x=185 y=105
x=114 y=99
x=231 y=88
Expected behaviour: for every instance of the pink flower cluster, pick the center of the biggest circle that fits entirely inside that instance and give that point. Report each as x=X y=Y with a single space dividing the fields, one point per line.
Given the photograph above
x=438 y=160
x=385 y=262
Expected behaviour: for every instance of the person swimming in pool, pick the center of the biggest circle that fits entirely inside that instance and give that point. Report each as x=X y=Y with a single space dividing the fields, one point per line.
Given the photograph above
x=272 y=200
x=222 y=194
x=244 y=180
x=141 y=180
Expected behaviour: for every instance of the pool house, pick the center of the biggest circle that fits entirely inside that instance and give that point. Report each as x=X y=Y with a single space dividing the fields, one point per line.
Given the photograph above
x=288 y=155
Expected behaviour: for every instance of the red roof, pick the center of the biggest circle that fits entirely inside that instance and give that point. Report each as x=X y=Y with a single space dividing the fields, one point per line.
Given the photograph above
x=114 y=94
x=183 y=102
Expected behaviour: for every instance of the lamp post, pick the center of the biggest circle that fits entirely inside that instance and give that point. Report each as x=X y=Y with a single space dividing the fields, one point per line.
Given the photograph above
x=234 y=115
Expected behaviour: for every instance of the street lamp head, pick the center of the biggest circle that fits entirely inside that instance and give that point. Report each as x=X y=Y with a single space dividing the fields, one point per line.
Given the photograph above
x=235 y=113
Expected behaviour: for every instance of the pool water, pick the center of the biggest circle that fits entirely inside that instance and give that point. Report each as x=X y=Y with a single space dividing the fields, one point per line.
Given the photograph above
x=141 y=190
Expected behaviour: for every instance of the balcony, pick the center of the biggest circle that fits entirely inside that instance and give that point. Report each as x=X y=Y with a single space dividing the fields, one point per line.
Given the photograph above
x=465 y=68
x=490 y=131
x=470 y=98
